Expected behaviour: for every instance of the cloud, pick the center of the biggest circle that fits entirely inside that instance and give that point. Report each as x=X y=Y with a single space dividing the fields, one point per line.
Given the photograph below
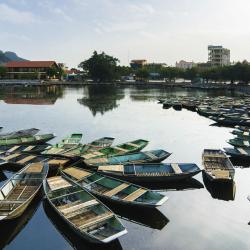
x=15 y=16
x=61 y=13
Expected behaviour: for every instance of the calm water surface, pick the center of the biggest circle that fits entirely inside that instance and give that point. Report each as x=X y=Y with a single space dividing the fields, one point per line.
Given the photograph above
x=197 y=214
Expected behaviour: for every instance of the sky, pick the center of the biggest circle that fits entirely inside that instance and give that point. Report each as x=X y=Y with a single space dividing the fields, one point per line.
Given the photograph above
x=157 y=30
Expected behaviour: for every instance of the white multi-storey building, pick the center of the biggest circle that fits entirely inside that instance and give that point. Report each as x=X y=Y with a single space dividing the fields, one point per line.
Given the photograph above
x=218 y=56
x=184 y=65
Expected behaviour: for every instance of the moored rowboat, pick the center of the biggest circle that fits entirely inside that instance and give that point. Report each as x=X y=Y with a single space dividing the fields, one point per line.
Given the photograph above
x=86 y=215
x=18 y=192
x=19 y=133
x=217 y=166
x=114 y=189
x=155 y=172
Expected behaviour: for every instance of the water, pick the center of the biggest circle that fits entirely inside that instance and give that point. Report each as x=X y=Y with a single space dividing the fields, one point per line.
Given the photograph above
x=196 y=216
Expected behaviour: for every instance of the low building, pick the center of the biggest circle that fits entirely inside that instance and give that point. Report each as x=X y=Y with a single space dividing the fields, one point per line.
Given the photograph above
x=218 y=56
x=139 y=63
x=41 y=70
x=185 y=65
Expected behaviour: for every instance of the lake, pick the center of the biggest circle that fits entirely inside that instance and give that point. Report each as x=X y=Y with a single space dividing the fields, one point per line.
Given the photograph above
x=197 y=215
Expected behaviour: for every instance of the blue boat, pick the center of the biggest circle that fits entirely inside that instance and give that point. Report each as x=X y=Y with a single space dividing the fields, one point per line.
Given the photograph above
x=157 y=172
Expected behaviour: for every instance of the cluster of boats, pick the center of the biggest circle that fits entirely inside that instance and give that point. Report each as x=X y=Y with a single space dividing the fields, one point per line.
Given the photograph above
x=78 y=179
x=225 y=111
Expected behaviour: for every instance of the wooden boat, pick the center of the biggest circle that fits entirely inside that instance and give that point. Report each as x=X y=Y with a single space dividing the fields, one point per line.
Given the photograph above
x=217 y=166
x=155 y=172
x=152 y=156
x=86 y=215
x=242 y=134
x=239 y=142
x=231 y=121
x=92 y=146
x=17 y=161
x=19 y=133
x=113 y=189
x=121 y=149
x=67 y=143
x=18 y=192
x=241 y=153
x=29 y=140
x=31 y=149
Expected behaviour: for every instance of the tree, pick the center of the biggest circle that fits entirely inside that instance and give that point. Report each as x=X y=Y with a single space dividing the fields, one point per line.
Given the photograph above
x=101 y=67
x=142 y=74
x=3 y=71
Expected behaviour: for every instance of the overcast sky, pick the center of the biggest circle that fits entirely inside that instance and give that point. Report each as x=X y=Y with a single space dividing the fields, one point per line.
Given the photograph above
x=158 y=30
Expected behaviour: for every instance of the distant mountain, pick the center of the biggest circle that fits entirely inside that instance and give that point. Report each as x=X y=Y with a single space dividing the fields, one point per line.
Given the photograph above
x=9 y=56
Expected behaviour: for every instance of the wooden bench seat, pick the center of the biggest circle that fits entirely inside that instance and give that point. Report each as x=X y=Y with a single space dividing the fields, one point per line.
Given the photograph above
x=98 y=219
x=9 y=157
x=242 y=151
x=132 y=144
x=150 y=155
x=121 y=149
x=57 y=182
x=13 y=149
x=77 y=173
x=116 y=190
x=34 y=168
x=29 y=148
x=133 y=196
x=176 y=168
x=26 y=159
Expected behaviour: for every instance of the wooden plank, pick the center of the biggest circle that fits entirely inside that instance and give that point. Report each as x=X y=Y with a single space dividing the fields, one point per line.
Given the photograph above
x=98 y=219
x=221 y=174
x=246 y=133
x=121 y=149
x=116 y=190
x=35 y=168
x=13 y=149
x=77 y=173
x=150 y=155
x=7 y=158
x=57 y=182
x=113 y=168
x=26 y=159
x=242 y=151
x=71 y=209
x=135 y=195
x=29 y=148
x=246 y=143
x=132 y=144
x=58 y=162
x=92 y=155
x=176 y=168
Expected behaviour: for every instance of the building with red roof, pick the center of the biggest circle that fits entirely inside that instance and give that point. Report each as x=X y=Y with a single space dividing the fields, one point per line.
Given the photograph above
x=32 y=69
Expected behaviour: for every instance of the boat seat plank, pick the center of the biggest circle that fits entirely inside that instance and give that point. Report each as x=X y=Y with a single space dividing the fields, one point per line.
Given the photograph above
x=246 y=133
x=9 y=157
x=246 y=143
x=114 y=168
x=57 y=182
x=116 y=190
x=77 y=173
x=58 y=162
x=13 y=149
x=242 y=151
x=221 y=174
x=26 y=159
x=133 y=196
x=98 y=219
x=176 y=168
x=29 y=148
x=35 y=168
x=121 y=149
x=92 y=155
x=70 y=211
x=150 y=155
x=132 y=144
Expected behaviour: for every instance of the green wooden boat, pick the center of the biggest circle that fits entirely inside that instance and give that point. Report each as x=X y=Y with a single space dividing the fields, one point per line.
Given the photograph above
x=113 y=189
x=81 y=211
x=242 y=134
x=29 y=140
x=19 y=133
x=31 y=149
x=121 y=149
x=152 y=156
x=92 y=146
x=239 y=142
x=67 y=143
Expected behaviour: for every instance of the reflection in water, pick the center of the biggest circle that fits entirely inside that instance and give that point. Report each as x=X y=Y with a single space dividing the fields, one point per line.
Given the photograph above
x=10 y=229
x=148 y=217
x=35 y=95
x=237 y=162
x=181 y=185
x=220 y=191
x=100 y=99
x=3 y=177
x=74 y=240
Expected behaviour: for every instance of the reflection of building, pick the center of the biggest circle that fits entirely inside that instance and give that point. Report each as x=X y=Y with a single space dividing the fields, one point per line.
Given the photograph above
x=32 y=95
x=30 y=69
x=185 y=65
x=135 y=64
x=218 y=56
